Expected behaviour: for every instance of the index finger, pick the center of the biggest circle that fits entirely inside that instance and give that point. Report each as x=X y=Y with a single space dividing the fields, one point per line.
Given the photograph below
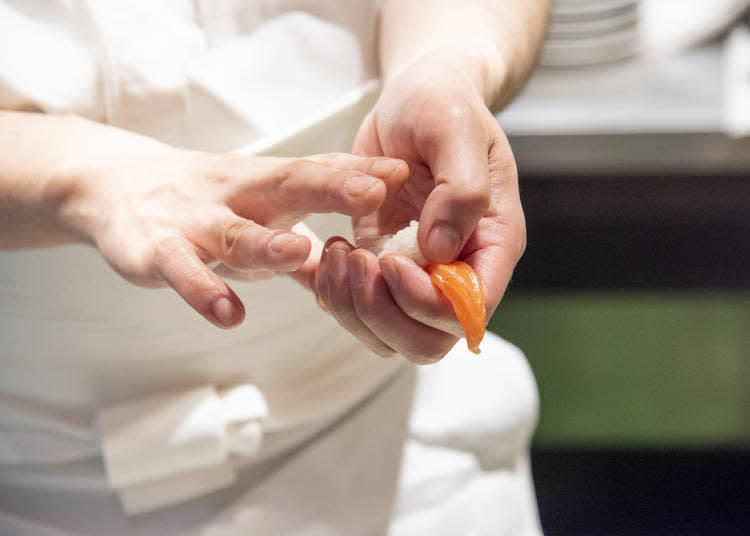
x=300 y=187
x=493 y=252
x=418 y=298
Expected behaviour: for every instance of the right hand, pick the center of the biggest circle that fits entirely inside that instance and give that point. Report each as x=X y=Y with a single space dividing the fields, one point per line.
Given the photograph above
x=165 y=216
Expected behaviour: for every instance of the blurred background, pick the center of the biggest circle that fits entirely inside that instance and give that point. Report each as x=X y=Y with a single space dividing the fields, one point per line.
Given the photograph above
x=632 y=300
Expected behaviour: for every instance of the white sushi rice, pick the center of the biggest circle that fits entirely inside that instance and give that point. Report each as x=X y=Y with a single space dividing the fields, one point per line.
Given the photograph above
x=405 y=243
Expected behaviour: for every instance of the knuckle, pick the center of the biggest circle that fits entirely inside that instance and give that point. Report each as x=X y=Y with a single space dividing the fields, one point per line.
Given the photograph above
x=437 y=352
x=436 y=349
x=294 y=169
x=147 y=274
x=141 y=270
x=456 y=112
x=473 y=196
x=382 y=162
x=425 y=349
x=339 y=195
x=392 y=167
x=385 y=352
x=330 y=159
x=221 y=172
x=431 y=135
x=334 y=187
x=428 y=356
x=164 y=249
x=230 y=235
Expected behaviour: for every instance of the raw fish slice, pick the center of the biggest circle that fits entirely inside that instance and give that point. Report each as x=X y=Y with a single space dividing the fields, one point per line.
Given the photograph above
x=459 y=283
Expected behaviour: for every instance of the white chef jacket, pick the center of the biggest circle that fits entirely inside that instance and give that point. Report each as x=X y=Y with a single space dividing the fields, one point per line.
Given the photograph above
x=124 y=412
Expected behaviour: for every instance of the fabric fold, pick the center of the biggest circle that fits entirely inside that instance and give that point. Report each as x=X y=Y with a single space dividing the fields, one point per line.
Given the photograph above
x=165 y=449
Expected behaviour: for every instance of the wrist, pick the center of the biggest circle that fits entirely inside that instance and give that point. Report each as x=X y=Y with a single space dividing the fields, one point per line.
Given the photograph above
x=70 y=200
x=70 y=193
x=476 y=62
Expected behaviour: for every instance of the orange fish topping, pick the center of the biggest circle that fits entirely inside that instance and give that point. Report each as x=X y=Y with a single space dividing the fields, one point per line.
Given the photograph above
x=460 y=284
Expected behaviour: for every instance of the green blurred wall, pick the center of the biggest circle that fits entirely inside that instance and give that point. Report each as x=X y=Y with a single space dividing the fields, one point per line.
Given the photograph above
x=634 y=368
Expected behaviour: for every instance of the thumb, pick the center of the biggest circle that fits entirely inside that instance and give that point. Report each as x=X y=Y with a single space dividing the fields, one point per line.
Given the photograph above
x=461 y=196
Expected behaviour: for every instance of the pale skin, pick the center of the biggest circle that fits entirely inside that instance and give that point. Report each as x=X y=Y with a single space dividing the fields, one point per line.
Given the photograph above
x=165 y=216
x=429 y=150
x=445 y=64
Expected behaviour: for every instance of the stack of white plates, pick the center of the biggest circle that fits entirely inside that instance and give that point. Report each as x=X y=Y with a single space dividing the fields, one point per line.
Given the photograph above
x=591 y=32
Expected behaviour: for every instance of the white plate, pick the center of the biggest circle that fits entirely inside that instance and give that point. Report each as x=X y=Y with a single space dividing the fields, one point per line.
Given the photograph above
x=592 y=9
x=588 y=59
x=584 y=52
x=613 y=39
x=576 y=29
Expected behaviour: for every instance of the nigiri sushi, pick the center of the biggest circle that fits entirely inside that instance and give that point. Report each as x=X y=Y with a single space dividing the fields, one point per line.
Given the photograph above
x=457 y=281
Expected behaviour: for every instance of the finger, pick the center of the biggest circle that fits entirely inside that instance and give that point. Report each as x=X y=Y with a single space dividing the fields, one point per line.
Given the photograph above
x=301 y=187
x=416 y=296
x=458 y=160
x=307 y=186
x=494 y=268
x=245 y=276
x=244 y=245
x=321 y=280
x=392 y=171
x=379 y=312
x=177 y=262
x=499 y=241
x=493 y=252
x=339 y=298
x=305 y=274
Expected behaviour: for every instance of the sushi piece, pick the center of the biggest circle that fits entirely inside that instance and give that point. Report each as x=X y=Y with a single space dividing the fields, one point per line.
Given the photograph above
x=457 y=281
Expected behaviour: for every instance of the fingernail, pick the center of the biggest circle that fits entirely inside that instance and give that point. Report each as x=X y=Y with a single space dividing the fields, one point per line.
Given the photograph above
x=358 y=267
x=443 y=242
x=224 y=311
x=390 y=270
x=280 y=241
x=359 y=185
x=336 y=263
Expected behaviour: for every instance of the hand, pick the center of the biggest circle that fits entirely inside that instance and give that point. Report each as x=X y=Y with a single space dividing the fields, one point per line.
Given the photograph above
x=463 y=189
x=160 y=215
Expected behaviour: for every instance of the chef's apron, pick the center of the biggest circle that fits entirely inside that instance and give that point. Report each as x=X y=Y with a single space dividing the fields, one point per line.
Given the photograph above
x=124 y=412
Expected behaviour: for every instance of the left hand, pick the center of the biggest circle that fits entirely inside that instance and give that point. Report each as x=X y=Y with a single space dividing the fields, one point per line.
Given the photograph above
x=463 y=189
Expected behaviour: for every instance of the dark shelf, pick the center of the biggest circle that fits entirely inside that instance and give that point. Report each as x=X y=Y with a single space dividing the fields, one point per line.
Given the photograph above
x=591 y=492
x=636 y=232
